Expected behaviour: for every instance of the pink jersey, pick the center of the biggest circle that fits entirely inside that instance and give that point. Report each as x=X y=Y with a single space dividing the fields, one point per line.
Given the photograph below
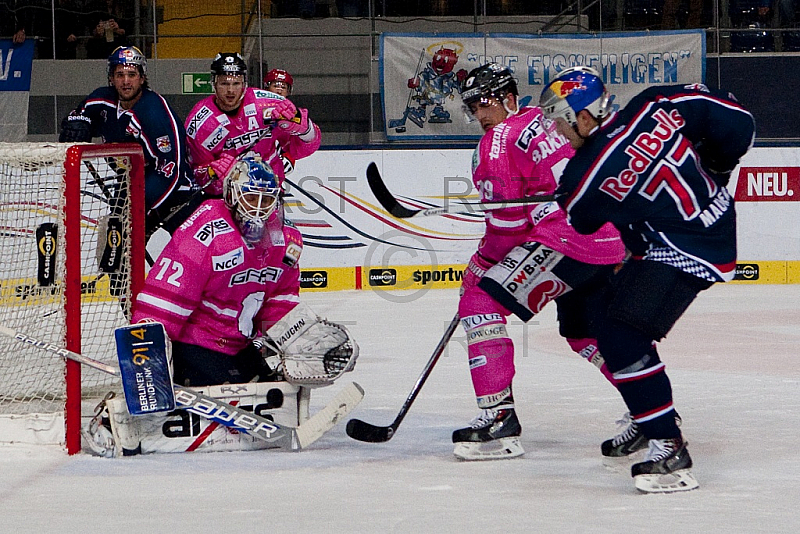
x=524 y=156
x=209 y=288
x=210 y=132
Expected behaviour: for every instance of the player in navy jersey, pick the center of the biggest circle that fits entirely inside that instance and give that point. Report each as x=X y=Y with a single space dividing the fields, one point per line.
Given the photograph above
x=657 y=170
x=127 y=110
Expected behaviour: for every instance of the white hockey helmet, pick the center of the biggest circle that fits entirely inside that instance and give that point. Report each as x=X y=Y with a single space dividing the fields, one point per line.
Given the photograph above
x=252 y=193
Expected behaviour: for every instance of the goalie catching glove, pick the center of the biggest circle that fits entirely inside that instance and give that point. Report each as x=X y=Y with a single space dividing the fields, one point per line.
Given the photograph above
x=314 y=352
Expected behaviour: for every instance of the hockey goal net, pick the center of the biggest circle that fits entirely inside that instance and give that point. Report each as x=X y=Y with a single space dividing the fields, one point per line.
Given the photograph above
x=72 y=234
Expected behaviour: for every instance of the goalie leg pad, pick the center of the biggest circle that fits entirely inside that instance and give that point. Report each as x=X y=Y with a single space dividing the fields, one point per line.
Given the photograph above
x=124 y=427
x=182 y=431
x=315 y=352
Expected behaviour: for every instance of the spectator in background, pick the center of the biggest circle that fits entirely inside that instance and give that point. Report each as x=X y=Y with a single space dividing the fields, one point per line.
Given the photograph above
x=669 y=19
x=68 y=25
x=110 y=23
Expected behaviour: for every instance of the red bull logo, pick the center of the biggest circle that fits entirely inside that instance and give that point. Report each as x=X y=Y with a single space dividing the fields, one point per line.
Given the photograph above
x=564 y=88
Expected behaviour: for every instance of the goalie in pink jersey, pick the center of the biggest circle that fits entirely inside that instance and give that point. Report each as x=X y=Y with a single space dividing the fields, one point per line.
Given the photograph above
x=528 y=256
x=226 y=288
x=239 y=121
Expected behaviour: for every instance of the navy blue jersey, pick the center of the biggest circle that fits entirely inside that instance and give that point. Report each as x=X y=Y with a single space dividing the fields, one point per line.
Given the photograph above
x=153 y=124
x=647 y=171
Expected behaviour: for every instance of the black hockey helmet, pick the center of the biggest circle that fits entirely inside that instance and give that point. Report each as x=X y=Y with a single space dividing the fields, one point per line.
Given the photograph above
x=229 y=63
x=488 y=81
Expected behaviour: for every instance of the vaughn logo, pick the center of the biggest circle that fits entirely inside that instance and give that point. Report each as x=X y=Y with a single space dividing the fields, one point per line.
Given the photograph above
x=746 y=271
x=382 y=277
x=768 y=184
x=313 y=279
x=46 y=241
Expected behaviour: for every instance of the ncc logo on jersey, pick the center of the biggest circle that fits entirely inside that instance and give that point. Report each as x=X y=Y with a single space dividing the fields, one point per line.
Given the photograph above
x=229 y=260
x=768 y=184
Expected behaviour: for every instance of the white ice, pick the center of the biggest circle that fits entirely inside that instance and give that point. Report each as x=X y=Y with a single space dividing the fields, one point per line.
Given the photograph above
x=732 y=360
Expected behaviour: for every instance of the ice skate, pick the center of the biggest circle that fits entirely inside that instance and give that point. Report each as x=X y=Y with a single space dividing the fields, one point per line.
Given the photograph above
x=493 y=435
x=666 y=468
x=622 y=448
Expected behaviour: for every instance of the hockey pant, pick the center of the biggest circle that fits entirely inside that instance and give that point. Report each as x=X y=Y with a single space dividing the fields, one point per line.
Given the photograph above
x=196 y=366
x=646 y=298
x=527 y=279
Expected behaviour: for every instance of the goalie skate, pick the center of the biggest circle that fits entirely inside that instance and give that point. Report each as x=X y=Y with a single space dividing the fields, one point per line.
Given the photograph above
x=666 y=469
x=493 y=435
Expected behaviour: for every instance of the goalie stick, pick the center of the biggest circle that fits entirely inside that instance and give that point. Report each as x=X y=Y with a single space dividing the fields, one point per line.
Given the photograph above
x=363 y=431
x=286 y=438
x=393 y=206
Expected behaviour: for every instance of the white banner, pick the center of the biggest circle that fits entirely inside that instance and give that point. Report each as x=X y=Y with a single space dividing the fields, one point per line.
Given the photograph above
x=421 y=73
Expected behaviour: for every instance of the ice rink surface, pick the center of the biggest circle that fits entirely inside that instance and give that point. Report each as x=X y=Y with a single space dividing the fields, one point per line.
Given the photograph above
x=734 y=368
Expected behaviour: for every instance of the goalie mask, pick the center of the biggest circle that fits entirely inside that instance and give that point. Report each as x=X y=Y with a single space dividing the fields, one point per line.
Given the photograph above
x=572 y=90
x=252 y=193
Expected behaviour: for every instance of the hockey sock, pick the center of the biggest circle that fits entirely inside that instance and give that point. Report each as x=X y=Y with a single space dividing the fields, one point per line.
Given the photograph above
x=587 y=349
x=647 y=391
x=491 y=357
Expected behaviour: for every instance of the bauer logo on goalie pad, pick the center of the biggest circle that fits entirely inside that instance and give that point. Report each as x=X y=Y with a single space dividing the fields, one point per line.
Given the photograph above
x=46 y=243
x=144 y=367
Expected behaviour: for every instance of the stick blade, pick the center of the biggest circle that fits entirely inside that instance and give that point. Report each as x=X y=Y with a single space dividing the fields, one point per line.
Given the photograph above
x=384 y=196
x=363 y=431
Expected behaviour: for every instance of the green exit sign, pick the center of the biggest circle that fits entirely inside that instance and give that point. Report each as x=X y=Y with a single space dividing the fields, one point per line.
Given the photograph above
x=196 y=83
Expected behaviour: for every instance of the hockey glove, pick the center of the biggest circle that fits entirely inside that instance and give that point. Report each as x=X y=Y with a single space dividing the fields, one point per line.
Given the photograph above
x=292 y=119
x=476 y=268
x=315 y=351
x=75 y=129
x=219 y=169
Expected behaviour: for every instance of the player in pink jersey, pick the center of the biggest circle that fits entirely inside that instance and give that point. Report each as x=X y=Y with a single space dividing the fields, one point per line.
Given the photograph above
x=229 y=275
x=239 y=121
x=528 y=256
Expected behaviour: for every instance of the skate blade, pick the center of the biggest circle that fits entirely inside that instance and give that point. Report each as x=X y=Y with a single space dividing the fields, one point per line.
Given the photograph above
x=498 y=449
x=622 y=463
x=680 y=480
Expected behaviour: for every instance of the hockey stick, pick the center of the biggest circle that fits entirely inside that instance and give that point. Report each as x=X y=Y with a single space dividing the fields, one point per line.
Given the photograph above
x=286 y=438
x=363 y=431
x=393 y=206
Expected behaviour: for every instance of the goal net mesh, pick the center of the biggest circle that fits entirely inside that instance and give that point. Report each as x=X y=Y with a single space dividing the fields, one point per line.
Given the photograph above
x=33 y=256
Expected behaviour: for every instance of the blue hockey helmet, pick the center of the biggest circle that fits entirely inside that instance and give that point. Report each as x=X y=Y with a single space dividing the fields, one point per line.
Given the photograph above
x=251 y=191
x=127 y=55
x=572 y=90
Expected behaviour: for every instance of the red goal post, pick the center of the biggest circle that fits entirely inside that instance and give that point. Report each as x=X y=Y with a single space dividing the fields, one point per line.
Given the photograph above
x=72 y=235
